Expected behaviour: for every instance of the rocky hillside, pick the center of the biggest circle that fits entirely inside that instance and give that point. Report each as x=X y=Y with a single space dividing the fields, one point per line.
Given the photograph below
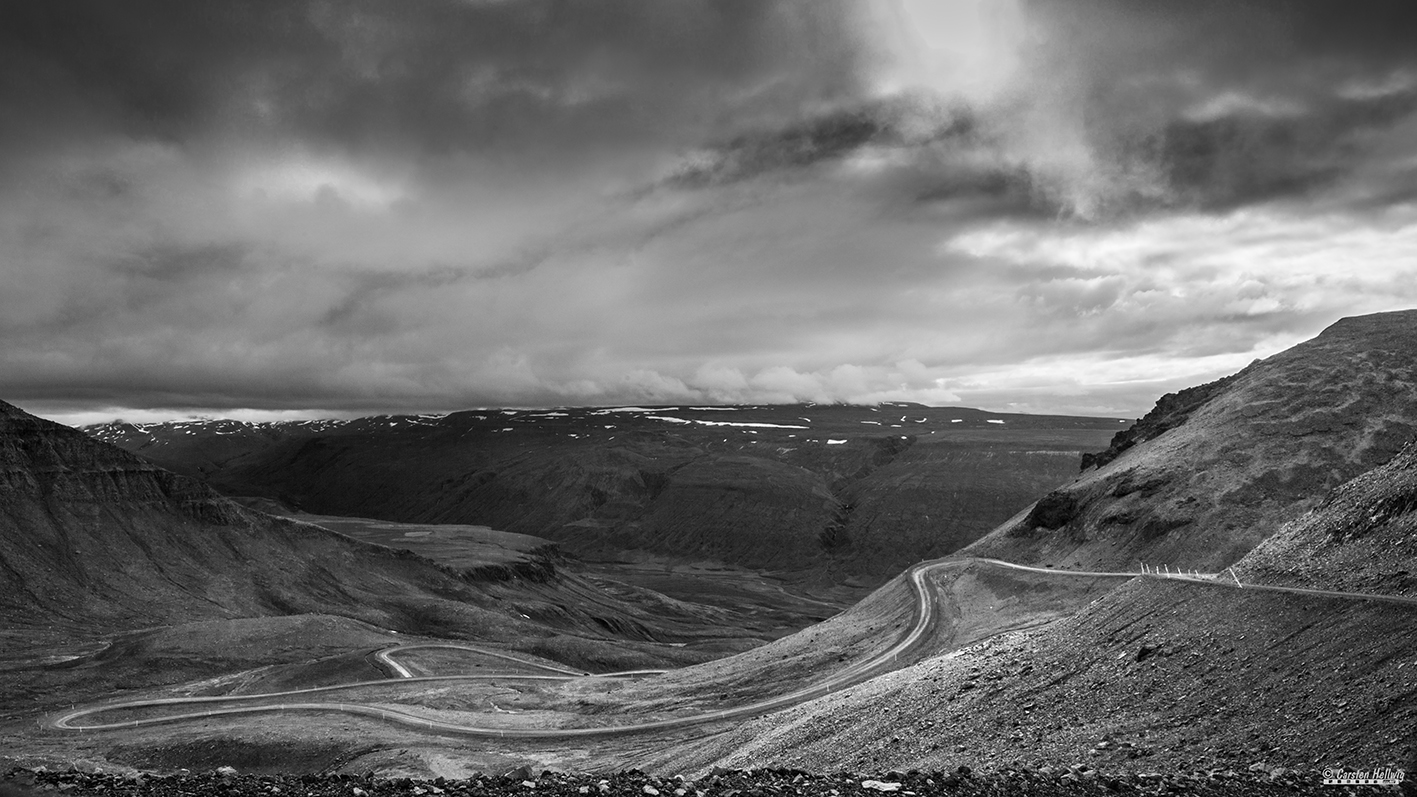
x=96 y=536
x=1213 y=471
x=1303 y=461
x=839 y=491
x=1155 y=676
x=1361 y=538
x=959 y=781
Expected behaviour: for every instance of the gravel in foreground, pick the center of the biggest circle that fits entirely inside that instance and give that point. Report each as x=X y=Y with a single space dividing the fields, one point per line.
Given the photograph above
x=737 y=783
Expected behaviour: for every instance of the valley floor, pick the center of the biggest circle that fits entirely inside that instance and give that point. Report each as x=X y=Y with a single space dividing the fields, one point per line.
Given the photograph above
x=958 y=661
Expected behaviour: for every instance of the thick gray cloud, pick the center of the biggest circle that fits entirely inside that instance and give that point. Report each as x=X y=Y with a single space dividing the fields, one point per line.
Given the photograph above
x=431 y=76
x=1220 y=104
x=1050 y=206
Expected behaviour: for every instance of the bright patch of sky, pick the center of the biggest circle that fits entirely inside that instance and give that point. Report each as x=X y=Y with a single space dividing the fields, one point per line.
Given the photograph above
x=309 y=179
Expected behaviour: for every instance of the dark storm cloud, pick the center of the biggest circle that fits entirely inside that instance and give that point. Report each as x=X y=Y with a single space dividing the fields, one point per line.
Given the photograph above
x=1230 y=103
x=749 y=155
x=1211 y=105
x=1242 y=155
x=328 y=199
x=918 y=151
x=428 y=76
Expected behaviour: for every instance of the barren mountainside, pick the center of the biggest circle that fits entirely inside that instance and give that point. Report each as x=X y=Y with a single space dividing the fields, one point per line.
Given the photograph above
x=1215 y=470
x=1154 y=676
x=95 y=540
x=839 y=491
x=99 y=537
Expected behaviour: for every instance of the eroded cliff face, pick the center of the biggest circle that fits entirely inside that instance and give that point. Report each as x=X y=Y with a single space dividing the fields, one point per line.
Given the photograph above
x=1223 y=467
x=49 y=463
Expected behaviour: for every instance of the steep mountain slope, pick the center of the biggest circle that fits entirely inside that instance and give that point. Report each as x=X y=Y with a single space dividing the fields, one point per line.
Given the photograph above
x=1361 y=538
x=1212 y=471
x=839 y=491
x=1159 y=673
x=98 y=537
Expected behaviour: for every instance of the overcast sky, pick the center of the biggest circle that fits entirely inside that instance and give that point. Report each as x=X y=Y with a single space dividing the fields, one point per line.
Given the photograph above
x=313 y=207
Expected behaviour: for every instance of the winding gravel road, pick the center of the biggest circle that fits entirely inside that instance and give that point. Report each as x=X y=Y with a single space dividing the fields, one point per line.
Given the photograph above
x=926 y=610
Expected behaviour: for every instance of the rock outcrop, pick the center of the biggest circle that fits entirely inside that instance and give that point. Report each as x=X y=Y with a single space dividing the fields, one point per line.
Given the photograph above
x=1171 y=410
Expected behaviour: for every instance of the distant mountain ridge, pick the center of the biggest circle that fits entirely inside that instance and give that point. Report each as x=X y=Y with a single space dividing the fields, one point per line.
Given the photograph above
x=837 y=491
